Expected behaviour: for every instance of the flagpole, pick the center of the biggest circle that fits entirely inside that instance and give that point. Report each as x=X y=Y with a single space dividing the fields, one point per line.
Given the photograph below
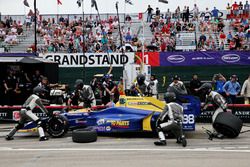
x=124 y=10
x=83 y=37
x=35 y=27
x=57 y=10
x=119 y=26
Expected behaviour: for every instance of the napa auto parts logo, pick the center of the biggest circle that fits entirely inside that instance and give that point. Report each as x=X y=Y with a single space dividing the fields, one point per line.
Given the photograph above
x=176 y=58
x=231 y=58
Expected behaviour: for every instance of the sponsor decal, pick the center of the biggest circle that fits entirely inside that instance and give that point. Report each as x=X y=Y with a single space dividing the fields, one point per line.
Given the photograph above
x=100 y=128
x=16 y=115
x=90 y=59
x=230 y=58
x=108 y=128
x=119 y=124
x=100 y=122
x=176 y=58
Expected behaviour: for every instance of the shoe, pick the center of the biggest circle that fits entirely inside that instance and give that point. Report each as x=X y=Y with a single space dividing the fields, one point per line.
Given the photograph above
x=219 y=136
x=184 y=142
x=160 y=143
x=44 y=138
x=9 y=137
x=179 y=140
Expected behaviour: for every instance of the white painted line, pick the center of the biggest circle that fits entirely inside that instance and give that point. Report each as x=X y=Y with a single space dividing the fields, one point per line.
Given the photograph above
x=122 y=149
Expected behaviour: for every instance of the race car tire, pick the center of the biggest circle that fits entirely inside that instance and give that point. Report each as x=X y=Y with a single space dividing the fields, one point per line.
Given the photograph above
x=228 y=124
x=57 y=126
x=86 y=135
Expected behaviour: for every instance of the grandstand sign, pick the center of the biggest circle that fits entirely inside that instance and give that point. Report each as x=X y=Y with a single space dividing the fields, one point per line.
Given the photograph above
x=90 y=59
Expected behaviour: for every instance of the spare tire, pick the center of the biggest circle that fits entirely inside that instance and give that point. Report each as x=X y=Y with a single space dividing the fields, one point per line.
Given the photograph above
x=57 y=126
x=85 y=135
x=227 y=124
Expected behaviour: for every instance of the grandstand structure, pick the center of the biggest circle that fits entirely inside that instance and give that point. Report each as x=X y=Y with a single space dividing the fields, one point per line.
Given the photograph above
x=182 y=40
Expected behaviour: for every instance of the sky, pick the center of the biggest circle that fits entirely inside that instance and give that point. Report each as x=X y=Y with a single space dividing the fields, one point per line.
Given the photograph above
x=16 y=7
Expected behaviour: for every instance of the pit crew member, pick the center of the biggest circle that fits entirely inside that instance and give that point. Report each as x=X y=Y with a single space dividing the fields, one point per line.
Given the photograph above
x=26 y=114
x=218 y=102
x=83 y=93
x=170 y=120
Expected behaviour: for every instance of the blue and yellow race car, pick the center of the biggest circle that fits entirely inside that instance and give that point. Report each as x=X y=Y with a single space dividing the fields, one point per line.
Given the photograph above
x=130 y=114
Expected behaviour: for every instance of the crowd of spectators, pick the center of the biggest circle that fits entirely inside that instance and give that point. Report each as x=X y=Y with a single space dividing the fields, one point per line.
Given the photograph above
x=213 y=32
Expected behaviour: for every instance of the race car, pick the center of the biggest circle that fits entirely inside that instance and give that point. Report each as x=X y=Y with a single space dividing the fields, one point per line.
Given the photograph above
x=130 y=114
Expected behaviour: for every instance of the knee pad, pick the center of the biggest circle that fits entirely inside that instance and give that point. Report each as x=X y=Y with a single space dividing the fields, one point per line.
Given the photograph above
x=39 y=123
x=19 y=126
x=158 y=129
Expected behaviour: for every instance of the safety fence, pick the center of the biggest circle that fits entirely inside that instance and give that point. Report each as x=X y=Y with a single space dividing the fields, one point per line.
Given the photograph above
x=11 y=114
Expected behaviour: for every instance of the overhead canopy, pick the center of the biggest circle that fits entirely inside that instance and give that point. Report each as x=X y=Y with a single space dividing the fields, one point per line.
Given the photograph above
x=28 y=60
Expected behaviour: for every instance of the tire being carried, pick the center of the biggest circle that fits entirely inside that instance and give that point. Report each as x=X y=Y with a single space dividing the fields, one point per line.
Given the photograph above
x=86 y=135
x=227 y=124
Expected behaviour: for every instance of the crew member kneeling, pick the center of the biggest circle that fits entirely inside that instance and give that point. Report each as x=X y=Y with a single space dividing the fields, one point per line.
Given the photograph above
x=170 y=120
x=83 y=93
x=26 y=113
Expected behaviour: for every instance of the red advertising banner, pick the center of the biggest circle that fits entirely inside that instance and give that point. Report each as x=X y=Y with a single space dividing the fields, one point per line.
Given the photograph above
x=151 y=58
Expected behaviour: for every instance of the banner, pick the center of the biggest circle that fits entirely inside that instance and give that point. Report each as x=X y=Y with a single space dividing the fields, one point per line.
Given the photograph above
x=151 y=58
x=90 y=59
x=207 y=58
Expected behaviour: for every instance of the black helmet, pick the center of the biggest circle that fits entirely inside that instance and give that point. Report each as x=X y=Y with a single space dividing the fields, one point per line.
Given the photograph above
x=169 y=97
x=39 y=91
x=176 y=77
x=207 y=87
x=78 y=83
x=140 y=79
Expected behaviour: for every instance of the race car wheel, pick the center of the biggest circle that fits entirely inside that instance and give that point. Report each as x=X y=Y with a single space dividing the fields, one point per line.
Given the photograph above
x=227 y=124
x=57 y=126
x=85 y=135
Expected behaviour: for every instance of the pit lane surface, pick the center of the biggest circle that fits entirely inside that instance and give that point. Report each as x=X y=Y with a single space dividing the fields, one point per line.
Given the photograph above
x=27 y=151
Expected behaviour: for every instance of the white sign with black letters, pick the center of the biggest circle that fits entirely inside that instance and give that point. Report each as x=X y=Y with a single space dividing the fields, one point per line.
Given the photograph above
x=89 y=59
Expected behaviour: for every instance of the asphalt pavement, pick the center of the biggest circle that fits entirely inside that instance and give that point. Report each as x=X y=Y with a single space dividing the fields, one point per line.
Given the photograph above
x=26 y=151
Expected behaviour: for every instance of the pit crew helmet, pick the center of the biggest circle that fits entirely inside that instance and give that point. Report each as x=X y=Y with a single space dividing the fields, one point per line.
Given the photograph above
x=40 y=91
x=140 y=79
x=79 y=83
x=170 y=97
x=207 y=87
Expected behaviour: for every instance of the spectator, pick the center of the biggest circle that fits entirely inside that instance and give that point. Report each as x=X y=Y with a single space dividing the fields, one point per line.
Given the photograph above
x=247 y=9
x=219 y=81
x=245 y=91
x=235 y=8
x=232 y=89
x=157 y=14
x=195 y=83
x=222 y=37
x=195 y=12
x=187 y=15
x=229 y=36
x=207 y=15
x=149 y=13
x=215 y=13
x=240 y=9
x=228 y=8
x=168 y=16
x=184 y=12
